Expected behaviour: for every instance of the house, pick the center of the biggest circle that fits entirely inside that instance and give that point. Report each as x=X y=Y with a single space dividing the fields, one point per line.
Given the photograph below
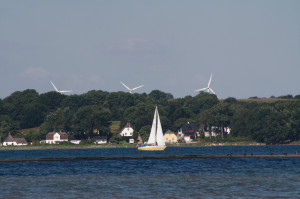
x=75 y=141
x=56 y=137
x=14 y=141
x=170 y=137
x=215 y=131
x=127 y=130
x=189 y=131
x=99 y=139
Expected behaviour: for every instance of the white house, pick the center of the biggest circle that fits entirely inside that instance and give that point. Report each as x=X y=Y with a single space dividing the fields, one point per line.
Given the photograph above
x=99 y=139
x=14 y=141
x=56 y=137
x=127 y=130
x=214 y=130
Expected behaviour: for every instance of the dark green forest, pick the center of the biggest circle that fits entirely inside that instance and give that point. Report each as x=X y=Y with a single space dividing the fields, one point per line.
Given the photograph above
x=271 y=120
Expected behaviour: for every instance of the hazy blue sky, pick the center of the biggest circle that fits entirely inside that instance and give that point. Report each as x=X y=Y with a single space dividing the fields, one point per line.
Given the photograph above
x=252 y=48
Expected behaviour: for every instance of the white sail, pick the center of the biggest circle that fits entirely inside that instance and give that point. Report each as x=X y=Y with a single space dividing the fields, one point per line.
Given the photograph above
x=151 y=139
x=156 y=139
x=159 y=133
x=156 y=135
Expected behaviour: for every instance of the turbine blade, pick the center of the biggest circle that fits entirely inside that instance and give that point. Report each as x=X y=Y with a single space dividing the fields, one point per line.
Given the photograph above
x=201 y=89
x=212 y=91
x=125 y=86
x=137 y=87
x=54 y=86
x=65 y=91
x=209 y=80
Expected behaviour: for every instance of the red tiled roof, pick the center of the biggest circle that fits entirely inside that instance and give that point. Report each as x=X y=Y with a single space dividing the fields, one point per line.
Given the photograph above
x=126 y=126
x=63 y=135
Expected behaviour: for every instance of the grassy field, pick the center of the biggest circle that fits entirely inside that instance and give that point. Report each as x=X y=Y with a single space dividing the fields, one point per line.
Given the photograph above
x=115 y=126
x=35 y=131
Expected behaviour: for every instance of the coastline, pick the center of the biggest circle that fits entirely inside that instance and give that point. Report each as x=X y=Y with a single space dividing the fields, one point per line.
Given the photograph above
x=123 y=146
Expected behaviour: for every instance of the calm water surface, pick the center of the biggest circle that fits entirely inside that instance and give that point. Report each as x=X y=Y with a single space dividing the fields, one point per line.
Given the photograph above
x=163 y=178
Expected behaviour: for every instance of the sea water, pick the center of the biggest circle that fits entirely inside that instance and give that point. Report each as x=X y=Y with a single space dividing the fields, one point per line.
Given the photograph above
x=152 y=178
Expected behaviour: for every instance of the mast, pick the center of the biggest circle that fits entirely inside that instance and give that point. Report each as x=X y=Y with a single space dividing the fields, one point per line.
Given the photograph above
x=152 y=138
x=156 y=126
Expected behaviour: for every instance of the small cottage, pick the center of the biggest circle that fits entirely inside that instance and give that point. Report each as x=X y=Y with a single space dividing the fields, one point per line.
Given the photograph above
x=14 y=141
x=170 y=137
x=127 y=130
x=56 y=137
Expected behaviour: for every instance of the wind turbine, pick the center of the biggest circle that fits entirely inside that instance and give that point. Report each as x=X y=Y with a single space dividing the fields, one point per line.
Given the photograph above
x=208 y=89
x=57 y=89
x=130 y=90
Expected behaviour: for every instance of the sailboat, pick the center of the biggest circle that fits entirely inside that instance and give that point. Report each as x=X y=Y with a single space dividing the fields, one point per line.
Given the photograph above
x=156 y=139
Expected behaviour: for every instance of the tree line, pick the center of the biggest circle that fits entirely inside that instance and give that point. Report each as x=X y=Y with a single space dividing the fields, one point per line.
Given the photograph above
x=274 y=122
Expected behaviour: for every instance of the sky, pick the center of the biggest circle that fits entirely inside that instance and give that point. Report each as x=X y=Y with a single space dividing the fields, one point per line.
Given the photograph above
x=252 y=48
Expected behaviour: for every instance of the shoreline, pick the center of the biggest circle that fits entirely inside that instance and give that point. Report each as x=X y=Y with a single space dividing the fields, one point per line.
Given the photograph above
x=60 y=147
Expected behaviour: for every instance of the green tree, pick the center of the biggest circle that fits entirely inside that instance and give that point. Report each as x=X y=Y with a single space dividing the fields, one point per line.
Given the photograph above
x=52 y=100
x=145 y=132
x=32 y=115
x=90 y=118
x=58 y=120
x=201 y=102
x=95 y=97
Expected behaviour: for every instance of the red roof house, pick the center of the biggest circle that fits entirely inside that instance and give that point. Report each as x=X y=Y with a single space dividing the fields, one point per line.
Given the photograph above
x=56 y=137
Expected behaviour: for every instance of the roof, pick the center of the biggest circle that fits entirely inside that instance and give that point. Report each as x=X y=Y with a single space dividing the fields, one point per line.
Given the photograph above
x=20 y=140
x=126 y=126
x=189 y=128
x=17 y=140
x=63 y=135
x=9 y=138
x=169 y=132
x=99 y=138
x=189 y=125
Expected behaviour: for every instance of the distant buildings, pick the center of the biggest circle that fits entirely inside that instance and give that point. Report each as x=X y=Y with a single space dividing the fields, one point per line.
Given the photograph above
x=14 y=141
x=215 y=131
x=56 y=137
x=99 y=139
x=189 y=132
x=170 y=137
x=127 y=130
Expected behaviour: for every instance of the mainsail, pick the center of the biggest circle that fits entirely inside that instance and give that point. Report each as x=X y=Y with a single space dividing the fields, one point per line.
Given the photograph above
x=156 y=135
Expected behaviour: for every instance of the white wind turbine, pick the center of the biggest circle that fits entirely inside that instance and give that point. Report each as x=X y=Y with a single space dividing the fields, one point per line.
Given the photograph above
x=130 y=90
x=57 y=89
x=208 y=89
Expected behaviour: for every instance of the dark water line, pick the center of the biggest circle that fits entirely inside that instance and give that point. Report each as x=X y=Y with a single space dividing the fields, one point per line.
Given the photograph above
x=147 y=157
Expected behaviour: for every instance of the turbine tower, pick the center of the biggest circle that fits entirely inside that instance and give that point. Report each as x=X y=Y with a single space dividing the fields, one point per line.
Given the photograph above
x=58 y=90
x=130 y=90
x=207 y=89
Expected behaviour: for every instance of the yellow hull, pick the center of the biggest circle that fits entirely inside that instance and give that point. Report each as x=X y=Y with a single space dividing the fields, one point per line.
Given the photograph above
x=152 y=148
